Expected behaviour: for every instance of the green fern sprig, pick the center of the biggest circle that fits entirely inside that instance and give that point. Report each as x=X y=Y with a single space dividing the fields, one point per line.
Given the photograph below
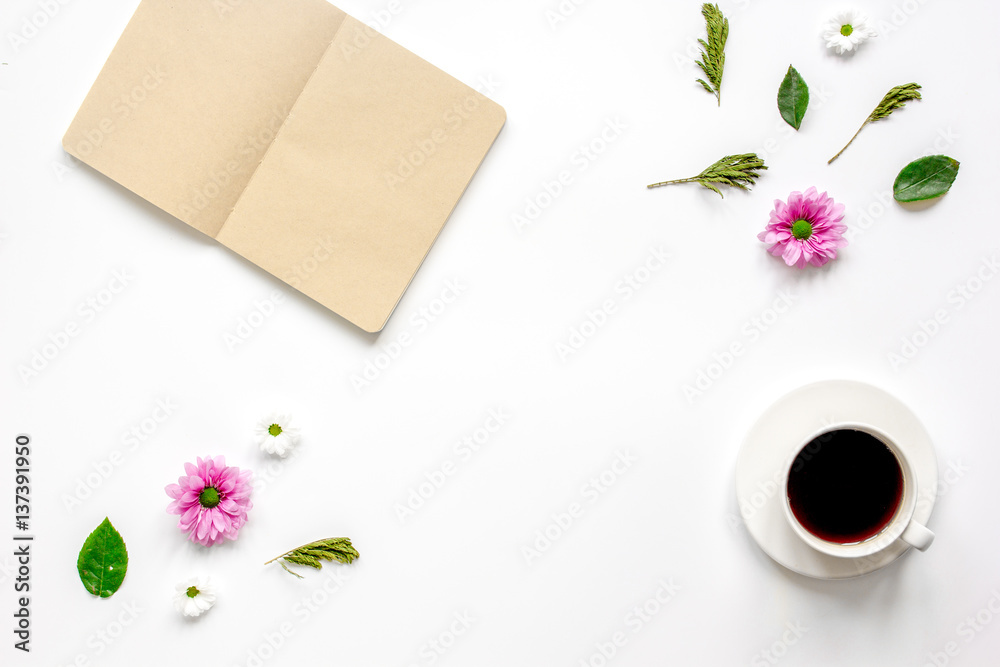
x=713 y=57
x=736 y=171
x=332 y=549
x=894 y=99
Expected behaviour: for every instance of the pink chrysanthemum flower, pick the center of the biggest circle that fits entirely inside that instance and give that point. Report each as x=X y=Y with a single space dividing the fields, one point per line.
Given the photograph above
x=212 y=499
x=806 y=230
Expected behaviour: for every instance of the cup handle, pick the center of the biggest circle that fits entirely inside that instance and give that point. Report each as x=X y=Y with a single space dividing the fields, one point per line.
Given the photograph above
x=917 y=536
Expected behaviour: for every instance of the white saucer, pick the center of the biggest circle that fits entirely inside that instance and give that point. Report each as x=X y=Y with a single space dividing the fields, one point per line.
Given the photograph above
x=770 y=444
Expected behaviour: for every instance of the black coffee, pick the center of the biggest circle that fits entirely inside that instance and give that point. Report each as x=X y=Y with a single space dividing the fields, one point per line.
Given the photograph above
x=845 y=486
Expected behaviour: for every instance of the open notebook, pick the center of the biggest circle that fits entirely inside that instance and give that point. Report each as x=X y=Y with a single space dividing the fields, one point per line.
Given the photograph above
x=293 y=134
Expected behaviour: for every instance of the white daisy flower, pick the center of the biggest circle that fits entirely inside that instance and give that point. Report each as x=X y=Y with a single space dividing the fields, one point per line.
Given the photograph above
x=847 y=31
x=195 y=596
x=276 y=435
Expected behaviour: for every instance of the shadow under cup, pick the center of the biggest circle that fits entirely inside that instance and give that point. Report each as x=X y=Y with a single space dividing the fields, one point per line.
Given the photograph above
x=845 y=486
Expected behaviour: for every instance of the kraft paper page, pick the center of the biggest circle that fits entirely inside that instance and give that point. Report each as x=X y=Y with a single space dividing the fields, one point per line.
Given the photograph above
x=190 y=99
x=287 y=131
x=364 y=196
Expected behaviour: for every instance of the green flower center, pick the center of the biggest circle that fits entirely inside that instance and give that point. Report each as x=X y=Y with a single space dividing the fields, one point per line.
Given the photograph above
x=209 y=497
x=274 y=430
x=192 y=592
x=802 y=229
x=846 y=29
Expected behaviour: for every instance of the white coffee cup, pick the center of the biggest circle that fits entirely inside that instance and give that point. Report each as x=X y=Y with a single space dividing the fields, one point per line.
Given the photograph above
x=900 y=527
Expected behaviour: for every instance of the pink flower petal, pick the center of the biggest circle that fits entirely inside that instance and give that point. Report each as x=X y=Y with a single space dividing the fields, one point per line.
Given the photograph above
x=191 y=513
x=229 y=506
x=791 y=253
x=191 y=483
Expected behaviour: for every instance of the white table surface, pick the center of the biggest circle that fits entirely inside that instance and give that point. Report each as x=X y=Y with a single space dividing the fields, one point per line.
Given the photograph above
x=451 y=584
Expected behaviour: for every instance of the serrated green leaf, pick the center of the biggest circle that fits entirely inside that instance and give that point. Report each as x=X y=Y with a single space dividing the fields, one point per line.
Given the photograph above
x=926 y=178
x=793 y=98
x=103 y=561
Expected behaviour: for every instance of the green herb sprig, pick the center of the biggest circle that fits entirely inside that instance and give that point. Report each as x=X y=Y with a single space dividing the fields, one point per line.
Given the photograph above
x=713 y=57
x=894 y=99
x=337 y=549
x=736 y=171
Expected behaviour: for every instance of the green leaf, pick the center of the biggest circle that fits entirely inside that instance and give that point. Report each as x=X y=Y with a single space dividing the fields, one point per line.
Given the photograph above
x=926 y=178
x=103 y=561
x=793 y=98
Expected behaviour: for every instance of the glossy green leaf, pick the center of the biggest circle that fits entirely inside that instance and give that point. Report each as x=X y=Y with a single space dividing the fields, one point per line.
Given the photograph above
x=103 y=561
x=793 y=98
x=925 y=178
